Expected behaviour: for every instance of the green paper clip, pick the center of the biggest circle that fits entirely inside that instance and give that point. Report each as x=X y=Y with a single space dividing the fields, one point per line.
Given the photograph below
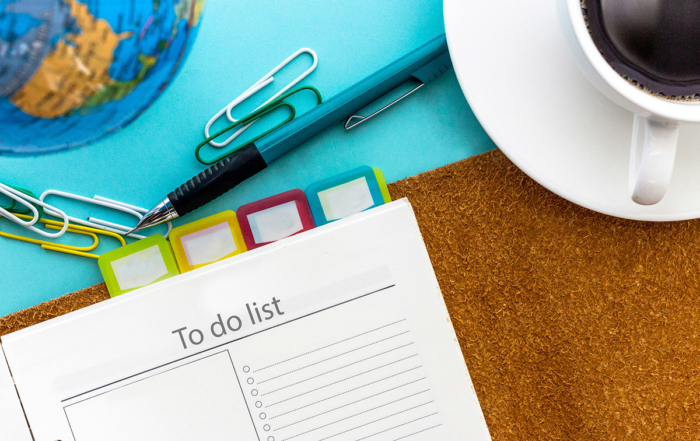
x=253 y=116
x=11 y=208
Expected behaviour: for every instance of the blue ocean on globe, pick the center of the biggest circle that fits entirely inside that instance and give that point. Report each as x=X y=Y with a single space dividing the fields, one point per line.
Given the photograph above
x=72 y=71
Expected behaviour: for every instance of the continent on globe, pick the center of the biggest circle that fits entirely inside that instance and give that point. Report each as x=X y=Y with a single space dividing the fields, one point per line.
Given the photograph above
x=79 y=68
x=72 y=71
x=117 y=90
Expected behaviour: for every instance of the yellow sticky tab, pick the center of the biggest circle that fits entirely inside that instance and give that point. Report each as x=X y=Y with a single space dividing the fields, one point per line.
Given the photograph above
x=207 y=240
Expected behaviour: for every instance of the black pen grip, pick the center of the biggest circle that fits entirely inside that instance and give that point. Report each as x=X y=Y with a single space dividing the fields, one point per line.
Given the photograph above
x=217 y=179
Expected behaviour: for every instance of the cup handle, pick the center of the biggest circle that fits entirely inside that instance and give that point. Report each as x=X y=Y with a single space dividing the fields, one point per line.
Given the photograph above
x=650 y=174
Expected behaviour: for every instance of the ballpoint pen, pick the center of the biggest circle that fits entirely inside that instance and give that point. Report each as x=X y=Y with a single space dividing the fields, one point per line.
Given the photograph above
x=423 y=64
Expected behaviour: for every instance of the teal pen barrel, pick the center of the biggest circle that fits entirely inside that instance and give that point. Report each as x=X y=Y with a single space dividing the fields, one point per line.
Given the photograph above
x=352 y=99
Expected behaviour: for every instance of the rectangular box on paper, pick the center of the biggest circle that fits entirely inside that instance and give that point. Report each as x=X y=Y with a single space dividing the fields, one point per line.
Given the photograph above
x=347 y=194
x=274 y=218
x=207 y=240
x=138 y=264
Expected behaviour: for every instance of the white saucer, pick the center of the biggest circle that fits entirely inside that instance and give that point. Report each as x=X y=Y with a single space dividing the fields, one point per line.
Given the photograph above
x=524 y=87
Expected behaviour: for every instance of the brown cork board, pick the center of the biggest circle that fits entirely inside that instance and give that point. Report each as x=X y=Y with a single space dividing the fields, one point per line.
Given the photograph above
x=574 y=325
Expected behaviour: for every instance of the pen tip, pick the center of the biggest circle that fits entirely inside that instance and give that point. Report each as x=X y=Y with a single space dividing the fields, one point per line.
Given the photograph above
x=163 y=212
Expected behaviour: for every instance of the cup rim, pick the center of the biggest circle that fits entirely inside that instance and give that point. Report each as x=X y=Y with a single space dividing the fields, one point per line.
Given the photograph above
x=654 y=106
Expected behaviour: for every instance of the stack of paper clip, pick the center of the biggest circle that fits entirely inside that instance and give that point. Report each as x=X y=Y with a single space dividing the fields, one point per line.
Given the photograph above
x=27 y=210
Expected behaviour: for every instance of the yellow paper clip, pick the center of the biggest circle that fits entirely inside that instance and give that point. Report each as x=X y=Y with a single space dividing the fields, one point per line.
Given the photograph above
x=67 y=249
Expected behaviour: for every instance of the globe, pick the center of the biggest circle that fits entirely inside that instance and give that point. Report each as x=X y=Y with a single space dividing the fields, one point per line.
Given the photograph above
x=72 y=71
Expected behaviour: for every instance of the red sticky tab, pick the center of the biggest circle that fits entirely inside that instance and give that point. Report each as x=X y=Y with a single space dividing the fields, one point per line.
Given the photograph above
x=271 y=219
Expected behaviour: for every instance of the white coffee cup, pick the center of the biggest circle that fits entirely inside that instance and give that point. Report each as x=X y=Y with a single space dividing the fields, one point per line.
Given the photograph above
x=656 y=120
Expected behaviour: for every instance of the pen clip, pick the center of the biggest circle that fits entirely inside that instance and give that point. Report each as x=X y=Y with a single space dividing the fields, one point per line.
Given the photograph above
x=349 y=122
x=424 y=75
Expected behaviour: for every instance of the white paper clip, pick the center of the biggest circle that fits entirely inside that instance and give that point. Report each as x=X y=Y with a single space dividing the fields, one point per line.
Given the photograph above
x=27 y=201
x=264 y=81
x=121 y=227
x=137 y=212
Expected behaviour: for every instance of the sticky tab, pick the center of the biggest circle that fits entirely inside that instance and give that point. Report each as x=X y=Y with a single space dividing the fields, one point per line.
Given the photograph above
x=274 y=218
x=207 y=240
x=347 y=194
x=382 y=185
x=137 y=265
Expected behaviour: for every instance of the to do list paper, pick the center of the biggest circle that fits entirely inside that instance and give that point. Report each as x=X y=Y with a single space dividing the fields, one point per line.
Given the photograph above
x=338 y=334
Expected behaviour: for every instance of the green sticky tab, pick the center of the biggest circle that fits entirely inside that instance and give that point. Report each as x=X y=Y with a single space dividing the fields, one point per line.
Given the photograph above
x=139 y=264
x=382 y=185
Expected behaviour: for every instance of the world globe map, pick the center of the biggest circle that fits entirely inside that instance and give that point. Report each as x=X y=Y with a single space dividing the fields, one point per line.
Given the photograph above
x=72 y=71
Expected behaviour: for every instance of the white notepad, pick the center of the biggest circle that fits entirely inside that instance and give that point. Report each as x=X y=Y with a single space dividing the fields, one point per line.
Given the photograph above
x=338 y=334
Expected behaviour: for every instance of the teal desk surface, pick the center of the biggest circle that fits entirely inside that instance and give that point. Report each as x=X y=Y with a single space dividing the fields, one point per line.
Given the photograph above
x=239 y=42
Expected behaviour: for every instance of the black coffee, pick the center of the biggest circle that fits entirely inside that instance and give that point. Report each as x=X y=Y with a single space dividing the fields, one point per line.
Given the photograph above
x=654 y=44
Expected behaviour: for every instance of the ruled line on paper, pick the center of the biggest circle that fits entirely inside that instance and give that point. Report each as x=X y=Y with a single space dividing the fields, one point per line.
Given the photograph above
x=364 y=386
x=328 y=346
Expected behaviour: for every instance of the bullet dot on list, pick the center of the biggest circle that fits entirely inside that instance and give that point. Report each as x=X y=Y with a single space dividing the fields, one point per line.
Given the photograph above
x=270 y=438
x=254 y=392
x=250 y=381
x=246 y=369
x=266 y=427
x=263 y=416
x=258 y=404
